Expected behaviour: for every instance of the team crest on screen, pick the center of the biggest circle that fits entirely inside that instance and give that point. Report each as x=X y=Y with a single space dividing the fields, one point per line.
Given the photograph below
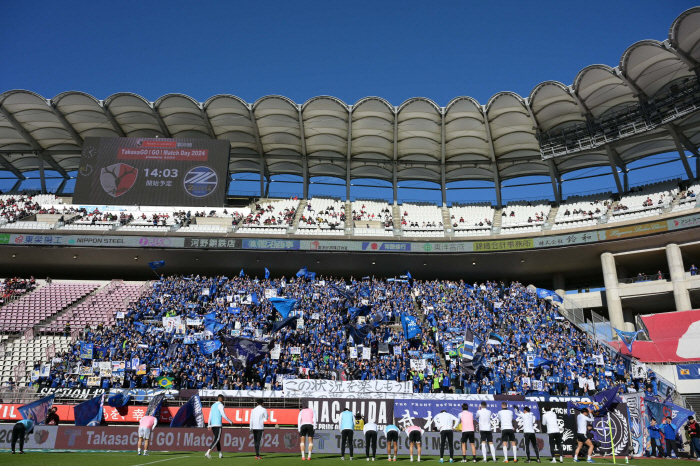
x=117 y=179
x=200 y=181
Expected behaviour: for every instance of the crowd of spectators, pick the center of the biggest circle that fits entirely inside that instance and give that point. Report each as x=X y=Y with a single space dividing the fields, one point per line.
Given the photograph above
x=13 y=287
x=16 y=207
x=318 y=346
x=283 y=217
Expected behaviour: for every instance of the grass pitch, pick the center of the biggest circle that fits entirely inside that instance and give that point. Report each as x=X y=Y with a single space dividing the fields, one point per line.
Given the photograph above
x=172 y=458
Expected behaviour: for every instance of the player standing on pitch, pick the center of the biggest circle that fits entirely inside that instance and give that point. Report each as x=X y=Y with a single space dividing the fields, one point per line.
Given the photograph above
x=466 y=418
x=216 y=414
x=505 y=416
x=147 y=425
x=415 y=436
x=550 y=421
x=582 y=421
x=258 y=416
x=392 y=439
x=307 y=425
x=529 y=430
x=446 y=422
x=483 y=415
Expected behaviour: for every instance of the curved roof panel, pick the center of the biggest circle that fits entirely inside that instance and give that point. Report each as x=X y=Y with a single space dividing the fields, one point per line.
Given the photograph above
x=373 y=138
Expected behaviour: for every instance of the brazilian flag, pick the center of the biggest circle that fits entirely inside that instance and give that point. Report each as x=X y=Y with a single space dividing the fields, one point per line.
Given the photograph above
x=165 y=382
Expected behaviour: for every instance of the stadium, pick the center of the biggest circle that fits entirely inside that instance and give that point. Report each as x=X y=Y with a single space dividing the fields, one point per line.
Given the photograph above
x=140 y=282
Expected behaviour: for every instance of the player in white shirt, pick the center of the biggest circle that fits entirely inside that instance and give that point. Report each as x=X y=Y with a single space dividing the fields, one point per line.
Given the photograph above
x=446 y=422
x=483 y=415
x=529 y=431
x=582 y=421
x=370 y=431
x=551 y=423
x=505 y=417
x=258 y=416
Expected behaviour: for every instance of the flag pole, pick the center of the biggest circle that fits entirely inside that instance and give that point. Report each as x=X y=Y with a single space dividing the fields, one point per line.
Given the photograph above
x=612 y=441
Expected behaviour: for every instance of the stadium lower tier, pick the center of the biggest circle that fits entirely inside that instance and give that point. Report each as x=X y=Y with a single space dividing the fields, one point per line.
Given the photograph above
x=613 y=433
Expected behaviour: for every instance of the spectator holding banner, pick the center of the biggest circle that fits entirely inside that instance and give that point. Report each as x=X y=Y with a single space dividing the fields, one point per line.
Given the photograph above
x=466 y=419
x=483 y=415
x=347 y=432
x=307 y=424
x=147 y=425
x=551 y=423
x=392 y=440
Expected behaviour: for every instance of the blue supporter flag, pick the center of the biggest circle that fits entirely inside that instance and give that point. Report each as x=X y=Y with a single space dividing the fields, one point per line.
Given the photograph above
x=208 y=347
x=89 y=413
x=302 y=272
x=246 y=350
x=154 y=405
x=540 y=361
x=283 y=305
x=211 y=324
x=628 y=338
x=378 y=318
x=156 y=264
x=358 y=332
x=119 y=399
x=600 y=404
x=37 y=410
x=355 y=312
x=241 y=273
x=100 y=352
x=494 y=339
x=140 y=327
x=254 y=299
x=280 y=324
x=408 y=275
x=343 y=292
x=189 y=414
x=410 y=326
x=267 y=274
x=543 y=293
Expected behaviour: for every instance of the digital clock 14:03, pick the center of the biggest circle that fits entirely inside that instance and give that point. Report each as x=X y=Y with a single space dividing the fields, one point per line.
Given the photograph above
x=163 y=173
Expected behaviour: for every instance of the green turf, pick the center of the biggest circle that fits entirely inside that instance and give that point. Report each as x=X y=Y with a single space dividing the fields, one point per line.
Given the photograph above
x=238 y=459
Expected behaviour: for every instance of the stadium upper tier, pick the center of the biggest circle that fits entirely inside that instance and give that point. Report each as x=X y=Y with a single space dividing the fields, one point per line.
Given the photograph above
x=646 y=105
x=323 y=216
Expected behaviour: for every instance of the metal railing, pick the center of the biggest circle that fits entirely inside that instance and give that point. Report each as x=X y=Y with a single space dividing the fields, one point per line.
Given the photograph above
x=643 y=277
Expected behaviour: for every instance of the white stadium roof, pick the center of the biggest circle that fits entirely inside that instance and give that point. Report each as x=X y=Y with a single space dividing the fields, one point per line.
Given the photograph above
x=416 y=140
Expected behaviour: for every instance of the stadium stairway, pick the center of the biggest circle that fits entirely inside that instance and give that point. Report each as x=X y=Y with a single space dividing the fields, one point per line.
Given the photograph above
x=396 y=212
x=549 y=223
x=424 y=324
x=496 y=227
x=446 y=220
x=45 y=323
x=297 y=216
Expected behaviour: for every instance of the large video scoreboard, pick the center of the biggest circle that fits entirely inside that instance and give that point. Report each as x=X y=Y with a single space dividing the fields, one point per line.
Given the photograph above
x=152 y=171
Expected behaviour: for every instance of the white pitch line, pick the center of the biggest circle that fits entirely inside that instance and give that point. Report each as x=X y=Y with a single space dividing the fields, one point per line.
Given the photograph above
x=160 y=461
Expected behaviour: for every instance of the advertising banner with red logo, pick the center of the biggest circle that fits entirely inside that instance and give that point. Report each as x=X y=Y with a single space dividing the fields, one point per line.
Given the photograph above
x=184 y=439
x=133 y=414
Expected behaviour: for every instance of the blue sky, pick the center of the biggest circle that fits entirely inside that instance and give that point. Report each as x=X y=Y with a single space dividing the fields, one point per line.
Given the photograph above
x=350 y=50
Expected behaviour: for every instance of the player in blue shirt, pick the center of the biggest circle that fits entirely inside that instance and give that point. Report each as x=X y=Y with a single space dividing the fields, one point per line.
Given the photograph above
x=21 y=428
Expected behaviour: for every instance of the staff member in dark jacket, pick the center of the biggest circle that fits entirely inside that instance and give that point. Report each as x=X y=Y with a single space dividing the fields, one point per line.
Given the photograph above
x=655 y=438
x=670 y=433
x=23 y=427
x=694 y=433
x=52 y=418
